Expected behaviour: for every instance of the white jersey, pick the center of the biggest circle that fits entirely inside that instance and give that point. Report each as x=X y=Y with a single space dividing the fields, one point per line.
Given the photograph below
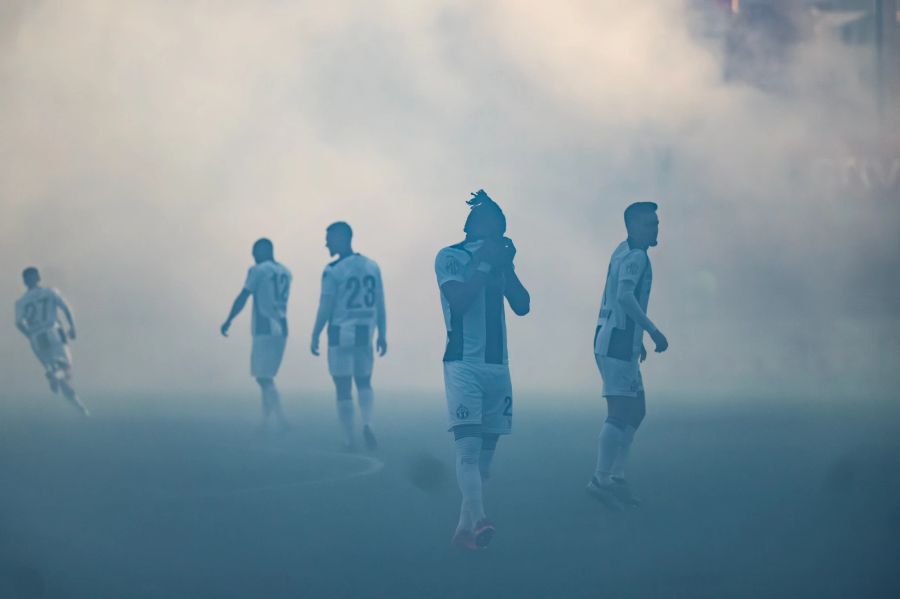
x=478 y=335
x=270 y=284
x=617 y=335
x=353 y=286
x=38 y=310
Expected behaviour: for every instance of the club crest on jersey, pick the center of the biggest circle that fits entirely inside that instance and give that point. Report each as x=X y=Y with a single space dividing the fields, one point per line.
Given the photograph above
x=462 y=412
x=452 y=266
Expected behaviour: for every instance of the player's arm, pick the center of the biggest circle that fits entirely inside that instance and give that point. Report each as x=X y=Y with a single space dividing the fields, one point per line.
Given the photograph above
x=67 y=312
x=518 y=297
x=20 y=324
x=380 y=318
x=326 y=308
x=239 y=302
x=629 y=304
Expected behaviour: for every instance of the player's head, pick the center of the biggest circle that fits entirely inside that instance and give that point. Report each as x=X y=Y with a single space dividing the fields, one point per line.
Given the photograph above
x=642 y=224
x=339 y=238
x=31 y=277
x=263 y=250
x=485 y=218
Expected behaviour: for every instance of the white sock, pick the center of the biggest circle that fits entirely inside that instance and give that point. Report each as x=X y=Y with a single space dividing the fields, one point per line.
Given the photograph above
x=608 y=448
x=618 y=467
x=468 y=450
x=366 y=399
x=272 y=402
x=345 y=416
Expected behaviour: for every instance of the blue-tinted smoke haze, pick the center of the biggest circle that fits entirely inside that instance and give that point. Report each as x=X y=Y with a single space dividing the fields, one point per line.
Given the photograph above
x=144 y=146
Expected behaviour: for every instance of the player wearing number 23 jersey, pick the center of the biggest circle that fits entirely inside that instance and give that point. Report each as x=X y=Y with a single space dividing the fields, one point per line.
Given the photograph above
x=352 y=305
x=269 y=283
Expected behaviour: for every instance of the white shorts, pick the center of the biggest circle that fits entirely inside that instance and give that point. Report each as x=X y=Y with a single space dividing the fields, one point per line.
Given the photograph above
x=52 y=349
x=479 y=394
x=351 y=361
x=265 y=358
x=621 y=378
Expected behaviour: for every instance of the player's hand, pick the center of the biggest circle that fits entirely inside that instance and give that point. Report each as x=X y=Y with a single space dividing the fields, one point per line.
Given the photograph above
x=71 y=333
x=496 y=253
x=662 y=344
x=510 y=248
x=314 y=346
x=643 y=352
x=225 y=327
x=381 y=345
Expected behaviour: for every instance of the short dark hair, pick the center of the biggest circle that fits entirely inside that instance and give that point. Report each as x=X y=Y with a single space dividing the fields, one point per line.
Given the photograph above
x=483 y=207
x=30 y=273
x=341 y=228
x=264 y=245
x=638 y=209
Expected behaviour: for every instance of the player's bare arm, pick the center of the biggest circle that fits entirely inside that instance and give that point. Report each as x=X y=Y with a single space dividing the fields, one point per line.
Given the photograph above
x=326 y=308
x=239 y=302
x=381 y=322
x=627 y=300
x=68 y=314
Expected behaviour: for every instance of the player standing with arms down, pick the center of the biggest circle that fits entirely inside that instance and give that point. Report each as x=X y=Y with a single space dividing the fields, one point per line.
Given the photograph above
x=475 y=277
x=37 y=317
x=352 y=305
x=618 y=349
x=269 y=282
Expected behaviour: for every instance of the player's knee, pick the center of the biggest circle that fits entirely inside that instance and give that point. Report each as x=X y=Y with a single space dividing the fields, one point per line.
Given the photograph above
x=489 y=441
x=264 y=382
x=343 y=386
x=463 y=431
x=363 y=383
x=638 y=412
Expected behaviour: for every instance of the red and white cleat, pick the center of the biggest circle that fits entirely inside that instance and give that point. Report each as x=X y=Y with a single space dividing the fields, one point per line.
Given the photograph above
x=464 y=539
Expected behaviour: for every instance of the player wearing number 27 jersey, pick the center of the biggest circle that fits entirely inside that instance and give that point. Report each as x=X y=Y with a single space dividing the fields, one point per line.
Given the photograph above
x=352 y=306
x=37 y=317
x=269 y=282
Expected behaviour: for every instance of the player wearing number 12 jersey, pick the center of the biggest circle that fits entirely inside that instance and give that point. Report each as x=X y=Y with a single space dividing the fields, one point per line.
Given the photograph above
x=37 y=317
x=269 y=282
x=352 y=305
x=476 y=278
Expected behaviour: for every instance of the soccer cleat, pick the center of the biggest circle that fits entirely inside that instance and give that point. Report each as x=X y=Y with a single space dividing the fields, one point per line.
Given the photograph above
x=484 y=533
x=605 y=494
x=624 y=494
x=369 y=438
x=464 y=539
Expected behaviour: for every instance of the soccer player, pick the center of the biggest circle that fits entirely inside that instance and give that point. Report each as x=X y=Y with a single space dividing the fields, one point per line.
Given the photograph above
x=618 y=349
x=269 y=282
x=352 y=305
x=475 y=277
x=37 y=317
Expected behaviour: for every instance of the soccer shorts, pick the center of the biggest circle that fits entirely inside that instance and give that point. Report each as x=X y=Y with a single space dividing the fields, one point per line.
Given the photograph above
x=621 y=378
x=479 y=394
x=351 y=361
x=52 y=349
x=265 y=358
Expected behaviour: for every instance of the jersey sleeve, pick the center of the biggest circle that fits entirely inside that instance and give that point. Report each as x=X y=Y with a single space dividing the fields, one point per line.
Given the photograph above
x=252 y=279
x=632 y=269
x=449 y=265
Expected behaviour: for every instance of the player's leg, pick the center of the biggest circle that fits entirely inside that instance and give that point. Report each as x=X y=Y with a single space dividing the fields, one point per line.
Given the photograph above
x=343 y=386
x=464 y=411
x=363 y=361
x=271 y=401
x=63 y=375
x=609 y=444
x=468 y=443
x=633 y=416
x=488 y=449
x=498 y=413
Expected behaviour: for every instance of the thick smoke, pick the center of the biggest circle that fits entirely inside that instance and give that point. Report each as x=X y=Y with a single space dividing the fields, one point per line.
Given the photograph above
x=146 y=145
